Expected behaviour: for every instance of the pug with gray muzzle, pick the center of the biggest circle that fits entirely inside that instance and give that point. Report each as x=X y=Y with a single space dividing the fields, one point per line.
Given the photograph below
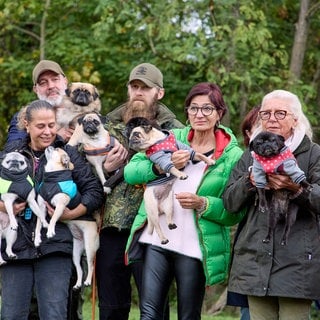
x=16 y=185
x=272 y=156
x=96 y=142
x=81 y=98
x=158 y=145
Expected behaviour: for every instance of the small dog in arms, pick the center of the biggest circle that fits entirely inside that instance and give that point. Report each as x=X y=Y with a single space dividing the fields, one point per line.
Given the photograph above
x=159 y=145
x=16 y=185
x=60 y=191
x=96 y=142
x=81 y=98
x=271 y=155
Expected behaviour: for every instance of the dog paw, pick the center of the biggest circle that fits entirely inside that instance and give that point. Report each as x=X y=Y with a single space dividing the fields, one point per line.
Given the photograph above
x=2 y=262
x=107 y=190
x=184 y=177
x=87 y=283
x=37 y=242
x=76 y=287
x=50 y=234
x=12 y=256
x=172 y=226
x=165 y=241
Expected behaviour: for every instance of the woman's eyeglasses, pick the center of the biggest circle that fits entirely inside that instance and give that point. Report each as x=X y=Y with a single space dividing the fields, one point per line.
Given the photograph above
x=206 y=109
x=279 y=114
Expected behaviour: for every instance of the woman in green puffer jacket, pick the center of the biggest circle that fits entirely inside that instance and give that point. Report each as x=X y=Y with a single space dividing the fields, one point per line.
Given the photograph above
x=198 y=251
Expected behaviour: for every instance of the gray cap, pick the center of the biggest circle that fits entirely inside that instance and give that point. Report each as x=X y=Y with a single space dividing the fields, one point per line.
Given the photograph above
x=45 y=65
x=147 y=73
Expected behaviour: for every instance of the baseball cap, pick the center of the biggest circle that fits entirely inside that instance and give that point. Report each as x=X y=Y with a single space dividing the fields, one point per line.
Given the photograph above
x=45 y=65
x=147 y=73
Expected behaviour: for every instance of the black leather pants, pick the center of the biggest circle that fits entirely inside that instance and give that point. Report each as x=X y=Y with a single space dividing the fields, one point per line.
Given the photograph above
x=160 y=268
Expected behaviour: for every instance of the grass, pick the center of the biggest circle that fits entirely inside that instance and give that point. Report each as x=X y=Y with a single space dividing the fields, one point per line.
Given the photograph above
x=135 y=314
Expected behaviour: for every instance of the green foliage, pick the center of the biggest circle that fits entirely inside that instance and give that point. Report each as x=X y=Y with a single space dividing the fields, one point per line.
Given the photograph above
x=244 y=46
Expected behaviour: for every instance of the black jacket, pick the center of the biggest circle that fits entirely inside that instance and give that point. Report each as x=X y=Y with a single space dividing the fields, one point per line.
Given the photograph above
x=92 y=197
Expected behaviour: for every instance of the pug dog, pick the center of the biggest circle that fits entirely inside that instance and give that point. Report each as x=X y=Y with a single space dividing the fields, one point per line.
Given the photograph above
x=80 y=98
x=271 y=155
x=158 y=145
x=96 y=142
x=60 y=191
x=16 y=185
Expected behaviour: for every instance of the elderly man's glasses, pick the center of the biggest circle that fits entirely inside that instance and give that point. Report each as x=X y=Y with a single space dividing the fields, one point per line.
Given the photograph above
x=279 y=114
x=205 y=109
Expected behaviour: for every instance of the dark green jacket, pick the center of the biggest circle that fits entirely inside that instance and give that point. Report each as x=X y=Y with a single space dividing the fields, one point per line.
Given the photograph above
x=123 y=202
x=273 y=269
x=213 y=226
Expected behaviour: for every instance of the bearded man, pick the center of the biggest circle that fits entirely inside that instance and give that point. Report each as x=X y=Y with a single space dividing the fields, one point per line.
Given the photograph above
x=145 y=89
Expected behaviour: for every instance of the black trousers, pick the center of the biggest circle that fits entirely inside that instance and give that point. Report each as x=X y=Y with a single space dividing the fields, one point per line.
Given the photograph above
x=113 y=276
x=161 y=267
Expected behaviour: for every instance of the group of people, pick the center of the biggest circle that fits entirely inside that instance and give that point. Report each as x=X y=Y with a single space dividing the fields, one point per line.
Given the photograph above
x=279 y=282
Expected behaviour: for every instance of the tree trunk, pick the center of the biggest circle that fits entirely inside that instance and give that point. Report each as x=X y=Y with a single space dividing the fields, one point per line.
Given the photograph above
x=300 y=40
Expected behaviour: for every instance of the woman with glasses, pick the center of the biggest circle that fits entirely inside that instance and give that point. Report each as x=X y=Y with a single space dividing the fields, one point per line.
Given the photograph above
x=280 y=280
x=198 y=252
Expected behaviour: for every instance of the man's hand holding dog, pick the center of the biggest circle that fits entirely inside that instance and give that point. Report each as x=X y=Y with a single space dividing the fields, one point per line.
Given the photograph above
x=117 y=156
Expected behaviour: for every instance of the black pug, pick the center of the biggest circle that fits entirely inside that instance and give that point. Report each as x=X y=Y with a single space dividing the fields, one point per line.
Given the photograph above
x=271 y=155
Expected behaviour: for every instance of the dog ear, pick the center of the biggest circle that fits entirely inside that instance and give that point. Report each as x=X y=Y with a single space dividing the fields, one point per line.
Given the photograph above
x=80 y=119
x=95 y=94
x=68 y=92
x=103 y=119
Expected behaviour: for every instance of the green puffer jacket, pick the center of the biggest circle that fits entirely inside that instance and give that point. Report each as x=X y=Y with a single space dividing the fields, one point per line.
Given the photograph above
x=123 y=202
x=214 y=225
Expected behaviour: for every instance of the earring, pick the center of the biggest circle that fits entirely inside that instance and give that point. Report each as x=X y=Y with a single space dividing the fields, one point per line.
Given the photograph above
x=187 y=122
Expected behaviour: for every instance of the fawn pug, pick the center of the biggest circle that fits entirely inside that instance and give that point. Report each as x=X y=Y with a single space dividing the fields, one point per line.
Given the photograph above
x=96 y=142
x=16 y=185
x=159 y=145
x=59 y=190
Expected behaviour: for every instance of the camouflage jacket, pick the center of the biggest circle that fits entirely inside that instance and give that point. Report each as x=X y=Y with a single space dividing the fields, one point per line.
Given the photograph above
x=123 y=202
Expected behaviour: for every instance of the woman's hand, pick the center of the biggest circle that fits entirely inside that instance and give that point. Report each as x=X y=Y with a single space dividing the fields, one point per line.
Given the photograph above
x=117 y=156
x=189 y=200
x=180 y=158
x=280 y=181
x=18 y=207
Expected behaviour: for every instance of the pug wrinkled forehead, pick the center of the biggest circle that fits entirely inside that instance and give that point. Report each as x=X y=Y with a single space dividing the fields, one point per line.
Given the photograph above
x=14 y=161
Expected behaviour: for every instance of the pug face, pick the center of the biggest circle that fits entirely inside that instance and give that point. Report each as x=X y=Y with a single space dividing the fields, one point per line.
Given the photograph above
x=57 y=159
x=92 y=123
x=267 y=144
x=15 y=162
x=82 y=94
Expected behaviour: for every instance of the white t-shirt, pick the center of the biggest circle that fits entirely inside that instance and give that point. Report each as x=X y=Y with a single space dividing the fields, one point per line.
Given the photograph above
x=184 y=239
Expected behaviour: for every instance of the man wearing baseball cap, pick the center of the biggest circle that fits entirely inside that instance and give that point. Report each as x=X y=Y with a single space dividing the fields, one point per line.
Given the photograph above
x=147 y=73
x=49 y=84
x=145 y=90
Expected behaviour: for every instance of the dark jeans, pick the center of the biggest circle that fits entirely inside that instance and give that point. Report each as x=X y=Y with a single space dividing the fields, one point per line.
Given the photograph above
x=160 y=268
x=48 y=276
x=113 y=276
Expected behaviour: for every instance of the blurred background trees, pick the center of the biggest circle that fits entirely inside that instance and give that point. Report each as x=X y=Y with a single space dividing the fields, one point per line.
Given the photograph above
x=247 y=47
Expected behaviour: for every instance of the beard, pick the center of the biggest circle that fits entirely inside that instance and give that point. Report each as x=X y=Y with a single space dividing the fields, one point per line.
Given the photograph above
x=138 y=108
x=54 y=101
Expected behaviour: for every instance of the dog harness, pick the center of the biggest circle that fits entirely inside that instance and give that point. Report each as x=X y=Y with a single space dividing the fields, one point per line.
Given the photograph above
x=19 y=183
x=59 y=182
x=100 y=151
